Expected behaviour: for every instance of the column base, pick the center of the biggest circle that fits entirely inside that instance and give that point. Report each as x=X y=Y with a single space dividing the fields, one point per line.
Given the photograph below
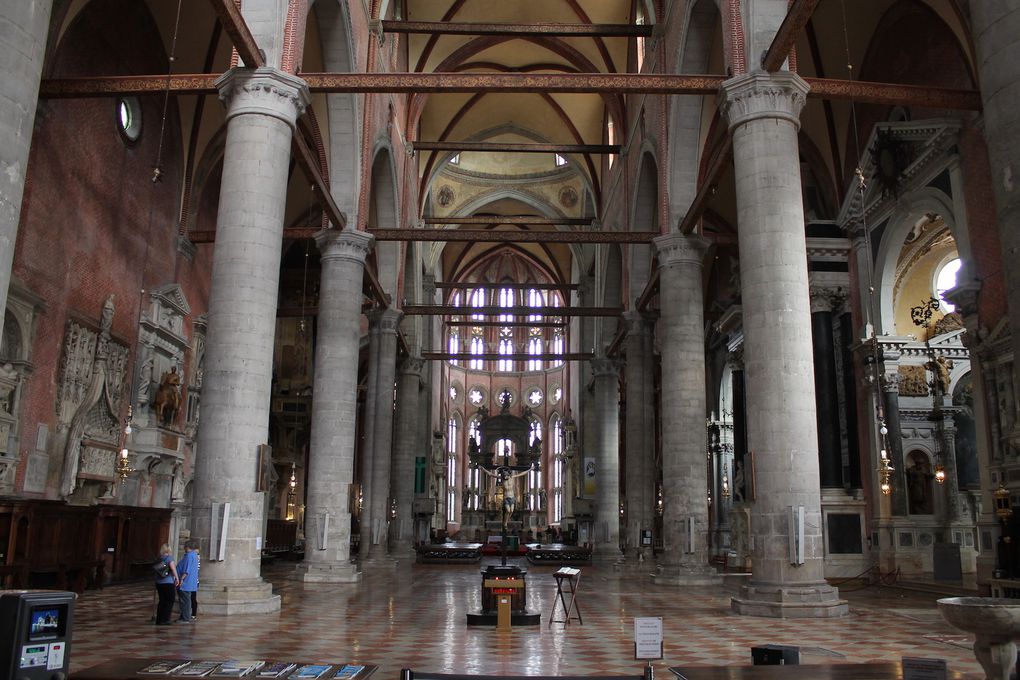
x=604 y=554
x=253 y=596
x=686 y=575
x=804 y=601
x=328 y=572
x=379 y=562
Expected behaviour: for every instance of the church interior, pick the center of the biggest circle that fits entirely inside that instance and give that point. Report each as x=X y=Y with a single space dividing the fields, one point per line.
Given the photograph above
x=710 y=299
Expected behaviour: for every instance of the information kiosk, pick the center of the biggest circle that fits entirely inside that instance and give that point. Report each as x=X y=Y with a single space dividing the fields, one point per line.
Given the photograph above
x=35 y=634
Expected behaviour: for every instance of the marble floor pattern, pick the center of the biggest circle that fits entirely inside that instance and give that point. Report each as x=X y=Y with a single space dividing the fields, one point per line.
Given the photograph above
x=414 y=616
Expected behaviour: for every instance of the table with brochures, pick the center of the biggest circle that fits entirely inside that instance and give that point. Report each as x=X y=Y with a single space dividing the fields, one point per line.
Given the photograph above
x=249 y=669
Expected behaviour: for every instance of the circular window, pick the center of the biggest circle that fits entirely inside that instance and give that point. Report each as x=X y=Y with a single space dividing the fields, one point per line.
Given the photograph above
x=456 y=391
x=476 y=395
x=506 y=398
x=555 y=394
x=534 y=397
x=129 y=118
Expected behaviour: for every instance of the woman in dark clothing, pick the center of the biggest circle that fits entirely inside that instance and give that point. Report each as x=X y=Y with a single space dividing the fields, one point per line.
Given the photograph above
x=166 y=587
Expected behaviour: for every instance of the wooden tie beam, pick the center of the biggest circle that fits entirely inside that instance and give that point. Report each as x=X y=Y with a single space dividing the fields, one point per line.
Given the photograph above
x=532 y=29
x=508 y=324
x=526 y=220
x=512 y=286
x=517 y=356
x=583 y=83
x=236 y=29
x=796 y=19
x=492 y=310
x=513 y=236
x=536 y=147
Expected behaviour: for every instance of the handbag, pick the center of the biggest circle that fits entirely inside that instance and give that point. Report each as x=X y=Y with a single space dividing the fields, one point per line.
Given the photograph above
x=160 y=569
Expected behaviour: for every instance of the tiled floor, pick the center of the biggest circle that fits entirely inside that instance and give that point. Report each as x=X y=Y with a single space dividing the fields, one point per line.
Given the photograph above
x=414 y=616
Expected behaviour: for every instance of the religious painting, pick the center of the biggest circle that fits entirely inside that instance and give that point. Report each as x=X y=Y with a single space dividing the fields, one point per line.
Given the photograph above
x=589 y=476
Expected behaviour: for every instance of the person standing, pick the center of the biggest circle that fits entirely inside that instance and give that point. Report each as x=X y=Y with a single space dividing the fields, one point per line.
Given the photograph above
x=198 y=567
x=165 y=587
x=188 y=584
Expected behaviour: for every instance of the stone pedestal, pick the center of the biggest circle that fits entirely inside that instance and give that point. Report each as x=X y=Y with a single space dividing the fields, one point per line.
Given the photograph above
x=334 y=408
x=763 y=111
x=262 y=106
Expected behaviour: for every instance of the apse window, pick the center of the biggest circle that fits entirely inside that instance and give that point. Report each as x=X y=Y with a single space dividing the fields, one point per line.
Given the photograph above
x=129 y=118
x=945 y=279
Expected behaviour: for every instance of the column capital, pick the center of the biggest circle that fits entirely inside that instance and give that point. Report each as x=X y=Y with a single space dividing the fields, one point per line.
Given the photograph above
x=384 y=319
x=638 y=322
x=412 y=366
x=344 y=244
x=602 y=367
x=677 y=248
x=826 y=298
x=763 y=95
x=263 y=91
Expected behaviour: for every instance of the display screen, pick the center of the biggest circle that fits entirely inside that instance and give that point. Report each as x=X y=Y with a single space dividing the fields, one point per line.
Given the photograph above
x=47 y=621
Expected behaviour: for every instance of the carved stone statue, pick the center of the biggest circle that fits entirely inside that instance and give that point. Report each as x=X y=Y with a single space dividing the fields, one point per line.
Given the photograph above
x=168 y=397
x=940 y=367
x=144 y=382
x=919 y=493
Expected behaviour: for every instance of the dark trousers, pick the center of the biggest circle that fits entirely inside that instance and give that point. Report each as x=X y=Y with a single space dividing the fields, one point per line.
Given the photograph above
x=167 y=595
x=194 y=603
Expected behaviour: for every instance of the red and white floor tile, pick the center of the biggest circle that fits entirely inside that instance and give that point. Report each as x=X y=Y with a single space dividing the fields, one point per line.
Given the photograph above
x=414 y=616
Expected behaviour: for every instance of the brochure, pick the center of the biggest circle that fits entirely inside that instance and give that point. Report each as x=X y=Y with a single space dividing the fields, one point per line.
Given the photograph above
x=347 y=672
x=235 y=668
x=312 y=670
x=199 y=669
x=164 y=667
x=276 y=669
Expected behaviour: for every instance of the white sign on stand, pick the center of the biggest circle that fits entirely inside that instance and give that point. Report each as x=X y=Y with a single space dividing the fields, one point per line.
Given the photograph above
x=647 y=637
x=915 y=668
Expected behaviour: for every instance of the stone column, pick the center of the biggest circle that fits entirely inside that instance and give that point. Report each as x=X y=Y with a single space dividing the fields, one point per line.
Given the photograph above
x=405 y=448
x=890 y=386
x=951 y=486
x=640 y=434
x=334 y=408
x=684 y=442
x=607 y=459
x=367 y=459
x=384 y=324
x=23 y=25
x=262 y=106
x=830 y=460
x=996 y=29
x=763 y=112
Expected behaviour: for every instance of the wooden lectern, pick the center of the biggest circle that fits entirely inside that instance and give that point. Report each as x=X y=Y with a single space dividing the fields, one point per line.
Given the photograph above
x=568 y=576
x=502 y=589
